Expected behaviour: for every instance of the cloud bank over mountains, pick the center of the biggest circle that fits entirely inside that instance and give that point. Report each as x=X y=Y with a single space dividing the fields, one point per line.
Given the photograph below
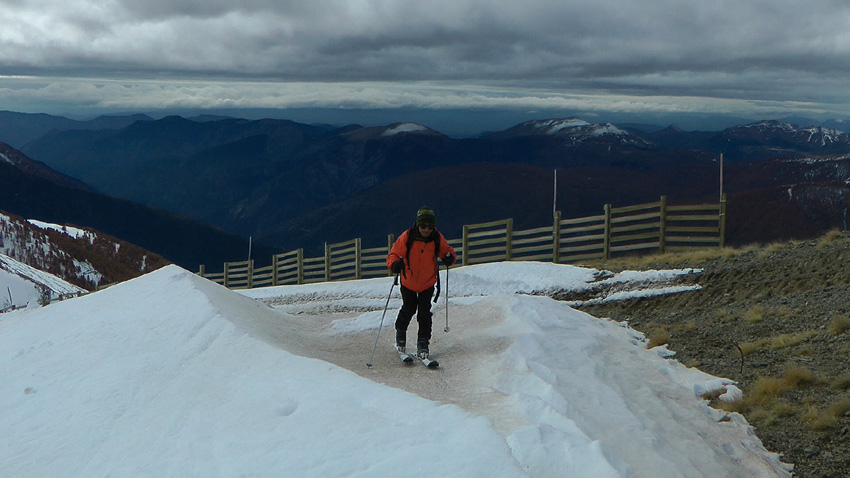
x=750 y=59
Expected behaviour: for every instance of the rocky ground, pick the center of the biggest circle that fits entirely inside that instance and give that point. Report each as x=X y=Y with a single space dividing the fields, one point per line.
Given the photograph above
x=777 y=320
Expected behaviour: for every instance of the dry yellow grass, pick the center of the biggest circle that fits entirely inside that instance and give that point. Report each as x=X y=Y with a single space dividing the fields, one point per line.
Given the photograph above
x=778 y=342
x=828 y=238
x=841 y=383
x=796 y=376
x=839 y=325
x=755 y=314
x=748 y=348
x=789 y=340
x=766 y=390
x=658 y=336
x=692 y=257
x=839 y=408
x=827 y=419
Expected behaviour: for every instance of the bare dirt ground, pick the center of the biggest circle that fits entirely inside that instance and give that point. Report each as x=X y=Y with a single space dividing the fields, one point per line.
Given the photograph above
x=787 y=307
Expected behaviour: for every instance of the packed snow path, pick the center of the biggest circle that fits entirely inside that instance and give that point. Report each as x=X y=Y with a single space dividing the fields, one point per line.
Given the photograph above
x=539 y=370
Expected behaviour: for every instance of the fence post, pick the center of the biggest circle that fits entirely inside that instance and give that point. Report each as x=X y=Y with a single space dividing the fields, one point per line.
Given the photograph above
x=299 y=256
x=202 y=270
x=327 y=262
x=509 y=232
x=556 y=238
x=723 y=221
x=275 y=264
x=357 y=259
x=226 y=275
x=606 y=241
x=465 y=244
x=662 y=232
x=251 y=274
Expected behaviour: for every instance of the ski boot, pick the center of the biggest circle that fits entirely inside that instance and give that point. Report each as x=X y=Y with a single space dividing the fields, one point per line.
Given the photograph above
x=422 y=348
x=400 y=340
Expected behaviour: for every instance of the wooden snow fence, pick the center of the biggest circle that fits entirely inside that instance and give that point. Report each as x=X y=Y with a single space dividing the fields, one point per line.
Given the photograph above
x=640 y=229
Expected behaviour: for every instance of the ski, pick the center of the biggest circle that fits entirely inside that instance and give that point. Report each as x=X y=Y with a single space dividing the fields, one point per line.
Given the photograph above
x=407 y=357
x=428 y=362
x=425 y=361
x=404 y=356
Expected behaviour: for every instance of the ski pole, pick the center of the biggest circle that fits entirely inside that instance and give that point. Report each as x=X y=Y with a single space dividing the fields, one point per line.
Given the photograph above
x=395 y=281
x=446 y=330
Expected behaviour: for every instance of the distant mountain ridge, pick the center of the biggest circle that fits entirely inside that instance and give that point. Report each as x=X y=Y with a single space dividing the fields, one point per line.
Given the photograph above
x=18 y=129
x=288 y=184
x=183 y=241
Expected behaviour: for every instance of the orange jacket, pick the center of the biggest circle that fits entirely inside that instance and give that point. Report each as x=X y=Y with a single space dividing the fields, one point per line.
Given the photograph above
x=420 y=266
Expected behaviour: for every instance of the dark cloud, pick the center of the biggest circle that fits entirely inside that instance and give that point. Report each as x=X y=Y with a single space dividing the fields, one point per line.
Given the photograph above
x=749 y=51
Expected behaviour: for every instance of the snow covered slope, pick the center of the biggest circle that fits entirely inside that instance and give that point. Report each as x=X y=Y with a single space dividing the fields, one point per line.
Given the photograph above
x=24 y=285
x=85 y=258
x=173 y=375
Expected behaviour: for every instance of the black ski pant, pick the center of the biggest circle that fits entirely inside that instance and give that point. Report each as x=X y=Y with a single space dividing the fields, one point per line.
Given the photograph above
x=411 y=303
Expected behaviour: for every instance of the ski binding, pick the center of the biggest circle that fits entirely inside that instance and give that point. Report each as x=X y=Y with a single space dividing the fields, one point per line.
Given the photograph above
x=408 y=357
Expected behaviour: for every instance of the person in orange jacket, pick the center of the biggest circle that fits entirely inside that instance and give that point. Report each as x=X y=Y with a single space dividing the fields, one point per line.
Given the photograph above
x=414 y=256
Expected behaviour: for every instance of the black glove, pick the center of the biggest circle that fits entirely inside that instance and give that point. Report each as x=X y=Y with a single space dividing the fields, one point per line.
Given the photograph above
x=448 y=259
x=397 y=266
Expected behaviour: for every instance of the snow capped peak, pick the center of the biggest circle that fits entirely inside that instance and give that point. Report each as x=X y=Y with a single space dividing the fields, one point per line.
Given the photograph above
x=770 y=124
x=817 y=135
x=573 y=127
x=552 y=126
x=404 y=128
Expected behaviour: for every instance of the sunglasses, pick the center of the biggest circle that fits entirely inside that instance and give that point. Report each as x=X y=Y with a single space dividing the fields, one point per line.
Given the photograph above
x=426 y=226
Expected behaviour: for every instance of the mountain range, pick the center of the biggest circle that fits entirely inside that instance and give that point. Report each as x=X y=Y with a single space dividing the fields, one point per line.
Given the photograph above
x=292 y=185
x=31 y=190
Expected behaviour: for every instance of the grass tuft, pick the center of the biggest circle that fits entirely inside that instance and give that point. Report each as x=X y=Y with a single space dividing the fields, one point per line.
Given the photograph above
x=785 y=341
x=755 y=314
x=766 y=390
x=839 y=325
x=796 y=377
x=658 y=336
x=827 y=419
x=842 y=382
x=828 y=238
x=779 y=342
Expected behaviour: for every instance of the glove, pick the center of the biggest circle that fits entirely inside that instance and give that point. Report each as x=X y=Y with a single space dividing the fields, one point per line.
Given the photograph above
x=448 y=259
x=397 y=266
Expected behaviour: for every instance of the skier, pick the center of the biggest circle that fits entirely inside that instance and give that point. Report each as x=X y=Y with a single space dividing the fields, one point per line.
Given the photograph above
x=414 y=256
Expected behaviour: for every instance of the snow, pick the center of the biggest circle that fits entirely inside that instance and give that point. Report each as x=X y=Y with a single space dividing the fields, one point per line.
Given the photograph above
x=22 y=284
x=404 y=128
x=73 y=232
x=172 y=375
x=555 y=126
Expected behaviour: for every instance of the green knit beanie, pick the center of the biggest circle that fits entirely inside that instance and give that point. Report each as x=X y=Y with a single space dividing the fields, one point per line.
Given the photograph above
x=425 y=215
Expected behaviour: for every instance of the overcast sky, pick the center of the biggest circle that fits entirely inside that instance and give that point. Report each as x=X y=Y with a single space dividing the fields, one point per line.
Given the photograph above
x=755 y=58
